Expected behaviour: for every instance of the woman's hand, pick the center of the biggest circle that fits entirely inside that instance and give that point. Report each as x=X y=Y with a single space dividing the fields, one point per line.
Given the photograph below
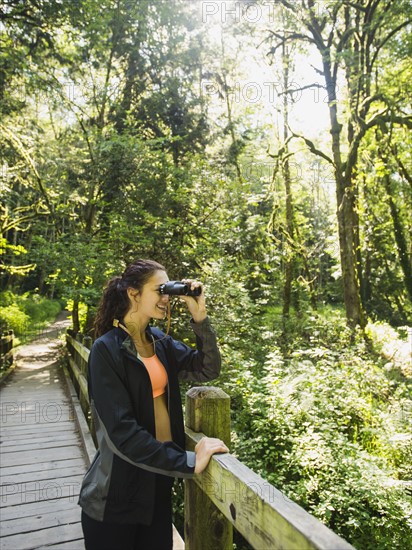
x=204 y=450
x=195 y=304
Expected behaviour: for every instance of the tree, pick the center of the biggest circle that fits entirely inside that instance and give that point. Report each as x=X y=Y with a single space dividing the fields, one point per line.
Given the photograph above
x=350 y=38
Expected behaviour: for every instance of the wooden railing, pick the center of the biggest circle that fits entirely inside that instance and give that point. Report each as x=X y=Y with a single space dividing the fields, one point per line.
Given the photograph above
x=6 y=354
x=227 y=494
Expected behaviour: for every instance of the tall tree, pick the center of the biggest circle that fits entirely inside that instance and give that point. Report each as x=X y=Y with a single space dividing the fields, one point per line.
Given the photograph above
x=350 y=38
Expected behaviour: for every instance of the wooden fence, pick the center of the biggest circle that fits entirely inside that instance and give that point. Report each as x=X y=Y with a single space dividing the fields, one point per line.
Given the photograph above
x=227 y=494
x=6 y=354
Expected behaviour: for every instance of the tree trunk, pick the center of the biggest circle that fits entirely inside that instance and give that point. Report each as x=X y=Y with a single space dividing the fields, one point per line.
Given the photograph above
x=89 y=325
x=287 y=288
x=345 y=195
x=290 y=254
x=75 y=315
x=365 y=280
x=230 y=123
x=346 y=218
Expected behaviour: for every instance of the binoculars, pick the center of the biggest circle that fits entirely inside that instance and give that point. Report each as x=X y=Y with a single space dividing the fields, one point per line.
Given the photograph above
x=177 y=288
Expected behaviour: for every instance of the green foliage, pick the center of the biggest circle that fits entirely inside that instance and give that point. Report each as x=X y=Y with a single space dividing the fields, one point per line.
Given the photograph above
x=82 y=311
x=27 y=312
x=39 y=308
x=325 y=423
x=6 y=298
x=12 y=317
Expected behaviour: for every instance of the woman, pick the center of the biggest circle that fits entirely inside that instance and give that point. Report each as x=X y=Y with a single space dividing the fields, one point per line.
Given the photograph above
x=134 y=393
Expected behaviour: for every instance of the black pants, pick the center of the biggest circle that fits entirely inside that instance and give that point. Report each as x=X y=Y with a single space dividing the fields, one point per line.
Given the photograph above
x=100 y=535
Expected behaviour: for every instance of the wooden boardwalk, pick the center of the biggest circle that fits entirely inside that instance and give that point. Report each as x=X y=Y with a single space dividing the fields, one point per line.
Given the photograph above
x=42 y=458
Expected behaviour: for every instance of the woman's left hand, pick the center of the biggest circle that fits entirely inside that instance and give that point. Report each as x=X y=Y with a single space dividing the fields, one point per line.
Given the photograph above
x=195 y=304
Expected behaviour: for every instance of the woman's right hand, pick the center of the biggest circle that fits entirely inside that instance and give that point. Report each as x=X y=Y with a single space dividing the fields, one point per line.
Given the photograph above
x=207 y=447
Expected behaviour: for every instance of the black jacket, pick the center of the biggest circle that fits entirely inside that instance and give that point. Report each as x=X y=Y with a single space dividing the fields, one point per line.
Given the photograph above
x=119 y=485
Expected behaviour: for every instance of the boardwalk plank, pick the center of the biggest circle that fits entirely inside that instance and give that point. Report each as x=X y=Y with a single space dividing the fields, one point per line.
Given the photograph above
x=41 y=466
x=38 y=508
x=72 y=545
x=17 y=493
x=32 y=457
x=31 y=429
x=52 y=413
x=30 y=541
x=59 y=473
x=24 y=436
x=10 y=445
x=50 y=443
x=40 y=521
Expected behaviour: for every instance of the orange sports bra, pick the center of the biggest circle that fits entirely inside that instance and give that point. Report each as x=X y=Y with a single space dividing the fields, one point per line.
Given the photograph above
x=157 y=373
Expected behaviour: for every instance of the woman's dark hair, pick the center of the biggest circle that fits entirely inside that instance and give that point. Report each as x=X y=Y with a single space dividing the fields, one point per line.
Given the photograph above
x=115 y=301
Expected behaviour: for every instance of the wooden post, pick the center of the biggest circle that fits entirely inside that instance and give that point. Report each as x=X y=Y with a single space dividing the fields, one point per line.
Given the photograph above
x=3 y=346
x=206 y=528
x=10 y=334
x=7 y=363
x=10 y=347
x=87 y=342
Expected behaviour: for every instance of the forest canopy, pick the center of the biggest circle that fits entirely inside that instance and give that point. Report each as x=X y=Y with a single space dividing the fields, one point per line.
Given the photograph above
x=265 y=148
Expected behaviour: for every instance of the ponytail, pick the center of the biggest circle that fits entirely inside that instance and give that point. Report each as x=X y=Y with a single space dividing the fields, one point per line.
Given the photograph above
x=113 y=305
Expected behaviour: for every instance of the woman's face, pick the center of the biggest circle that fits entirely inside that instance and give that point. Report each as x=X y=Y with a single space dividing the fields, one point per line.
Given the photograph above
x=150 y=303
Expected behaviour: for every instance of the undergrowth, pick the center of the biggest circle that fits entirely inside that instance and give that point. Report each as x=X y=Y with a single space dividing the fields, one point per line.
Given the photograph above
x=26 y=314
x=326 y=418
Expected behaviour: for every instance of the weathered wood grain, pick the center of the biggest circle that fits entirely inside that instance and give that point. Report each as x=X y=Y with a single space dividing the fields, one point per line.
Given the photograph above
x=34 y=509
x=32 y=540
x=40 y=521
x=259 y=511
x=33 y=457
x=41 y=475
x=40 y=467
x=79 y=348
x=208 y=411
x=17 y=493
x=31 y=443
x=33 y=429
x=72 y=545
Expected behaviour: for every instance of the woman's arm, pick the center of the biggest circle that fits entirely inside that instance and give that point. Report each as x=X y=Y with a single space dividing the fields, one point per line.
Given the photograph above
x=202 y=363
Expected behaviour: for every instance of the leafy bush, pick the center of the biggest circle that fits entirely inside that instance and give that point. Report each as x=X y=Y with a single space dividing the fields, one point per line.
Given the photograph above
x=39 y=308
x=322 y=420
x=6 y=298
x=22 y=312
x=12 y=317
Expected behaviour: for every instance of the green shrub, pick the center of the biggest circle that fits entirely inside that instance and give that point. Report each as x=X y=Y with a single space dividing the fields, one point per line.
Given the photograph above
x=324 y=420
x=12 y=317
x=39 y=308
x=7 y=298
x=23 y=313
